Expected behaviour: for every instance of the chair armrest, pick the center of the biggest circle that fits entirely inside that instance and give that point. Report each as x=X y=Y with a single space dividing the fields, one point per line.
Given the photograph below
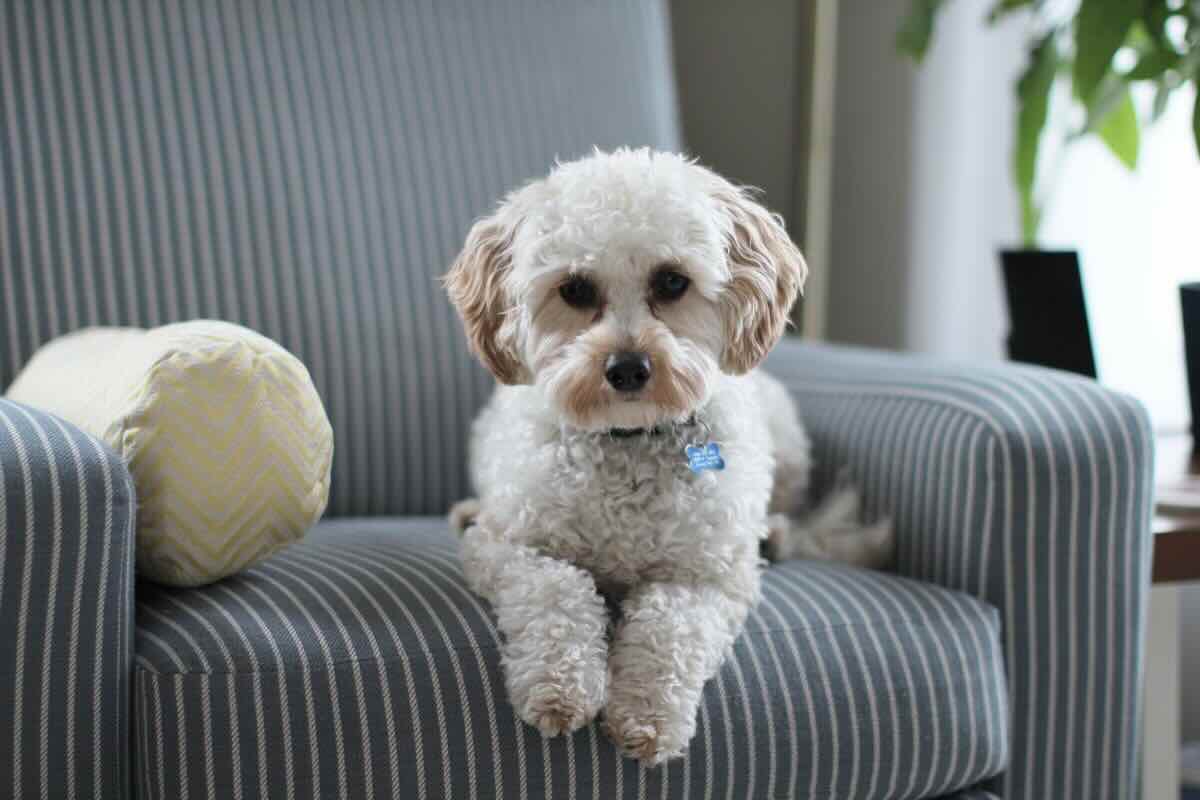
x=66 y=610
x=1031 y=489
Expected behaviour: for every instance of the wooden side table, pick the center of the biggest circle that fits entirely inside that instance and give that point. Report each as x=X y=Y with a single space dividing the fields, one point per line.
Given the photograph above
x=1176 y=531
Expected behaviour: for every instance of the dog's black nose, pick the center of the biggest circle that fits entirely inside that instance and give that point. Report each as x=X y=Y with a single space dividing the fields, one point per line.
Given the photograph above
x=626 y=371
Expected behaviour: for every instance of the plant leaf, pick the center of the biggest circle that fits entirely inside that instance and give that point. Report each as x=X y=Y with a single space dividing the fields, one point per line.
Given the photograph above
x=1100 y=29
x=1119 y=130
x=916 y=29
x=1003 y=8
x=1111 y=92
x=1153 y=64
x=1033 y=100
x=1196 y=119
x=1162 y=94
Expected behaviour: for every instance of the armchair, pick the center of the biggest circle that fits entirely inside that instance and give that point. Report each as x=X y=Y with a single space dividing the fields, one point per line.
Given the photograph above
x=307 y=169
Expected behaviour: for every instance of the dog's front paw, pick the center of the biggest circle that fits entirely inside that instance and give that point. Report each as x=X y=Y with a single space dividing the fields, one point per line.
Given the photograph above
x=650 y=737
x=555 y=709
x=556 y=653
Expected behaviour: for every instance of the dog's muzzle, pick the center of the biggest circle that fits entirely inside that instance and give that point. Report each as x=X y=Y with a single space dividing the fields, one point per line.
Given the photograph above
x=627 y=371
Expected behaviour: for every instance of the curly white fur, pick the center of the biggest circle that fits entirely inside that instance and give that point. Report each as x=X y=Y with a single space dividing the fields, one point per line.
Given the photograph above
x=571 y=505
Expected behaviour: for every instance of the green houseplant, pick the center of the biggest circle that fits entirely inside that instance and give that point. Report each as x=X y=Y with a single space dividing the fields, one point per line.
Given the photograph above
x=1160 y=40
x=1103 y=49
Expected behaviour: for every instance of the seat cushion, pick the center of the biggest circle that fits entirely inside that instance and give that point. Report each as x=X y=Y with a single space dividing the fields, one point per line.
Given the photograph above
x=356 y=663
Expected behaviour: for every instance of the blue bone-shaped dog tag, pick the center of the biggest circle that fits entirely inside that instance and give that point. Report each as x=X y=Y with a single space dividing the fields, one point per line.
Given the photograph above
x=704 y=457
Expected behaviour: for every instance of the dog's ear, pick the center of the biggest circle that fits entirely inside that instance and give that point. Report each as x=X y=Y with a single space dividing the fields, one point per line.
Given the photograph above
x=767 y=272
x=476 y=285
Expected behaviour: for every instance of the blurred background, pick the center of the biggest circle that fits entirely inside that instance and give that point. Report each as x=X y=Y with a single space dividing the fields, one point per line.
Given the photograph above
x=898 y=179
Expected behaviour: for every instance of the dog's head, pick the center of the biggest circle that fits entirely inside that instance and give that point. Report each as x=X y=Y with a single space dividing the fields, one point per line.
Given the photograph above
x=623 y=283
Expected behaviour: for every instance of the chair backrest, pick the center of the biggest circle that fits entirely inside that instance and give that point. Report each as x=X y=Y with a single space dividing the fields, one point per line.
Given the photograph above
x=306 y=168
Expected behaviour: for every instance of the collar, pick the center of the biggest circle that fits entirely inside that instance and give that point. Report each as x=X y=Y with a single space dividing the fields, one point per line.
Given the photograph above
x=657 y=430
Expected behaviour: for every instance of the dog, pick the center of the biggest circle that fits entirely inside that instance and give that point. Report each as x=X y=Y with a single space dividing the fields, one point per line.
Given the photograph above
x=632 y=451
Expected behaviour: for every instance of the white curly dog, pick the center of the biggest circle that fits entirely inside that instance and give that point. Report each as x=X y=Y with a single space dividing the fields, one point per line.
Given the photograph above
x=624 y=302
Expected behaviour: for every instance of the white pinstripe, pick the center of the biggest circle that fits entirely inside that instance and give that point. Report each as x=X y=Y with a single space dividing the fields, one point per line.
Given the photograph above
x=284 y=713
x=450 y=570
x=23 y=612
x=131 y=194
x=961 y=383
x=126 y=563
x=788 y=707
x=234 y=726
x=169 y=652
x=1129 y=580
x=291 y=560
x=788 y=589
x=766 y=706
x=1017 y=398
x=1133 y=664
x=429 y=660
x=272 y=567
x=785 y=626
x=143 y=719
x=51 y=591
x=311 y=167
x=968 y=516
x=706 y=732
x=1072 y=583
x=260 y=726
x=206 y=667
x=736 y=668
x=819 y=582
x=939 y=603
x=7 y=283
x=339 y=746
x=730 y=741
x=456 y=666
x=53 y=137
x=40 y=228
x=1031 y=589
x=901 y=653
x=595 y=762
x=76 y=598
x=823 y=675
x=159 y=739
x=953 y=529
x=181 y=737
x=277 y=248
x=910 y=459
x=213 y=130
x=859 y=439
x=888 y=445
x=385 y=556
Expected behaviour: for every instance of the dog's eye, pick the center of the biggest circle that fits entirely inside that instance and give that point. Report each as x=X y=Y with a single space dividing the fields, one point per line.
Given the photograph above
x=578 y=292
x=668 y=285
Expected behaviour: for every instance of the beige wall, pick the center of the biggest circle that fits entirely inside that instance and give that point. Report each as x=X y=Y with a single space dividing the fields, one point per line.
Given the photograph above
x=738 y=90
x=750 y=76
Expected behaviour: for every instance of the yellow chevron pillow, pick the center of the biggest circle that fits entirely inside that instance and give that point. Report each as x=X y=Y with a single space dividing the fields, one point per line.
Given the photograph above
x=224 y=433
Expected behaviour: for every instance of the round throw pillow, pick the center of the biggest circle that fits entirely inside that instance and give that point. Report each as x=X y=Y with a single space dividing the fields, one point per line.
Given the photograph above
x=223 y=431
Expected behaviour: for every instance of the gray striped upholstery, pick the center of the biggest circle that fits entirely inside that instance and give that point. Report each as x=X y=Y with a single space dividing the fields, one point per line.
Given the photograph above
x=357 y=664
x=974 y=794
x=66 y=610
x=303 y=167
x=1031 y=490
